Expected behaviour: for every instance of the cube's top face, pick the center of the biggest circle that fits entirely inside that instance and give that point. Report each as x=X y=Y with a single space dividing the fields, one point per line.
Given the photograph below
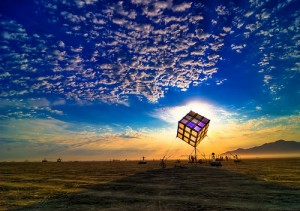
x=194 y=121
x=192 y=128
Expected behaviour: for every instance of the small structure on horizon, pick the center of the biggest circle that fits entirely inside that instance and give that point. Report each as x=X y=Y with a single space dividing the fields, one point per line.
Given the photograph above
x=214 y=161
x=44 y=160
x=236 y=159
x=142 y=161
x=59 y=160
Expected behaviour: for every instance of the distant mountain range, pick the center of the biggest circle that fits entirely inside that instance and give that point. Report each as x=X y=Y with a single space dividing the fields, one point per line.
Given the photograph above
x=277 y=148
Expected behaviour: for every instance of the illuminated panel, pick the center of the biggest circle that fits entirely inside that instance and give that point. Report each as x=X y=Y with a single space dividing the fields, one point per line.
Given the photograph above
x=194 y=133
x=185 y=139
x=195 y=121
x=192 y=128
x=193 y=138
x=180 y=130
x=205 y=120
x=201 y=124
x=198 y=117
x=184 y=121
x=191 y=125
x=192 y=113
x=187 y=129
x=188 y=117
x=197 y=128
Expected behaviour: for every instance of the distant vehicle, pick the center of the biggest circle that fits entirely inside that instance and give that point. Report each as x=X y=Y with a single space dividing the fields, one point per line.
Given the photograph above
x=44 y=160
x=215 y=162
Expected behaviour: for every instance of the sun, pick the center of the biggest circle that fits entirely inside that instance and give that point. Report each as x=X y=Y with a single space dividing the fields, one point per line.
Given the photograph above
x=203 y=108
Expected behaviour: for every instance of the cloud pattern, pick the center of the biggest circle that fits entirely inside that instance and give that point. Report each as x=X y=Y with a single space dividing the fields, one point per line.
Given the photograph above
x=101 y=51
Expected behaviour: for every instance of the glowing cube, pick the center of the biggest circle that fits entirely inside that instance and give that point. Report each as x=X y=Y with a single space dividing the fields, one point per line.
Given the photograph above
x=192 y=128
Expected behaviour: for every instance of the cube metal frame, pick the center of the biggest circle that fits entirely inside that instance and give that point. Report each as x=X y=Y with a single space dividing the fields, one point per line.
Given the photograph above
x=192 y=128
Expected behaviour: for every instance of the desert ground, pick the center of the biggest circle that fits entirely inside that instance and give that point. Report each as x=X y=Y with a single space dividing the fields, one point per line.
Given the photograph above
x=258 y=184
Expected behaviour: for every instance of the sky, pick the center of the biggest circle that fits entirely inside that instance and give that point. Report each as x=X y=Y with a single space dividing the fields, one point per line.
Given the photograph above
x=101 y=80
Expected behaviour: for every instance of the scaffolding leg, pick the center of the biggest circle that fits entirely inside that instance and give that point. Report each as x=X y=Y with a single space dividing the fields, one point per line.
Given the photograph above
x=195 y=154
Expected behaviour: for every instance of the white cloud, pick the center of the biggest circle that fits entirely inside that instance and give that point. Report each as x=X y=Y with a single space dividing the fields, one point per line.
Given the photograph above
x=182 y=7
x=267 y=79
x=248 y=14
x=82 y=3
x=6 y=74
x=61 y=44
x=221 y=10
x=144 y=2
x=238 y=48
x=59 y=102
x=227 y=29
x=162 y=4
x=39 y=103
x=120 y=21
x=137 y=55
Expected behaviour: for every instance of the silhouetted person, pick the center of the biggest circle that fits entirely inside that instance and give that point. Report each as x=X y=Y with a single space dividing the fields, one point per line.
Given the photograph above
x=162 y=164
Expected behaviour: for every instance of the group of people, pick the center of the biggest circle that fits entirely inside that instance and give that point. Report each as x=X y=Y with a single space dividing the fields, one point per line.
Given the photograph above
x=192 y=159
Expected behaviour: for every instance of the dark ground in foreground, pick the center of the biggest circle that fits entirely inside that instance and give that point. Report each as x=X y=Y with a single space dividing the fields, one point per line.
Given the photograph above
x=252 y=185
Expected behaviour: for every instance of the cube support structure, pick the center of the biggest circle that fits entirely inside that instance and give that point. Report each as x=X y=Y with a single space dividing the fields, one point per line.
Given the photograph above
x=192 y=128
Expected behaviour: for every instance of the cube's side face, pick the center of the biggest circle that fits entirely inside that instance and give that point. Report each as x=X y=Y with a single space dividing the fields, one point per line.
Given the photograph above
x=192 y=128
x=202 y=134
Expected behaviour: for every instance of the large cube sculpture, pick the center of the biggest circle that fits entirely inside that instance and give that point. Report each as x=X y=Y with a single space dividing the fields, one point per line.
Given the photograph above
x=192 y=128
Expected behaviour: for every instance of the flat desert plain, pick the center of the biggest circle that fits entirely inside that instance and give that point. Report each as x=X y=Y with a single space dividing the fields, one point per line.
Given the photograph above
x=258 y=184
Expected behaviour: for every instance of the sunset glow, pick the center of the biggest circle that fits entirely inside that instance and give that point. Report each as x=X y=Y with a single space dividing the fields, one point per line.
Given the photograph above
x=101 y=80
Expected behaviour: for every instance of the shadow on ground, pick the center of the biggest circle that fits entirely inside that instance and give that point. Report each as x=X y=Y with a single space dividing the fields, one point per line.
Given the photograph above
x=193 y=188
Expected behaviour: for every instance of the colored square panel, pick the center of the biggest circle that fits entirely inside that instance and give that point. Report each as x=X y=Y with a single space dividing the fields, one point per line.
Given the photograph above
x=191 y=124
x=181 y=125
x=195 y=121
x=179 y=135
x=204 y=120
x=180 y=130
x=184 y=121
x=201 y=124
x=197 y=128
x=188 y=129
x=202 y=132
x=188 y=117
x=185 y=139
x=199 y=117
x=193 y=138
x=194 y=133
x=192 y=113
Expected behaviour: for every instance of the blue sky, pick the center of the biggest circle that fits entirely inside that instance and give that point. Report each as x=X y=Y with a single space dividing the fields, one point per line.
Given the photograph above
x=98 y=80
